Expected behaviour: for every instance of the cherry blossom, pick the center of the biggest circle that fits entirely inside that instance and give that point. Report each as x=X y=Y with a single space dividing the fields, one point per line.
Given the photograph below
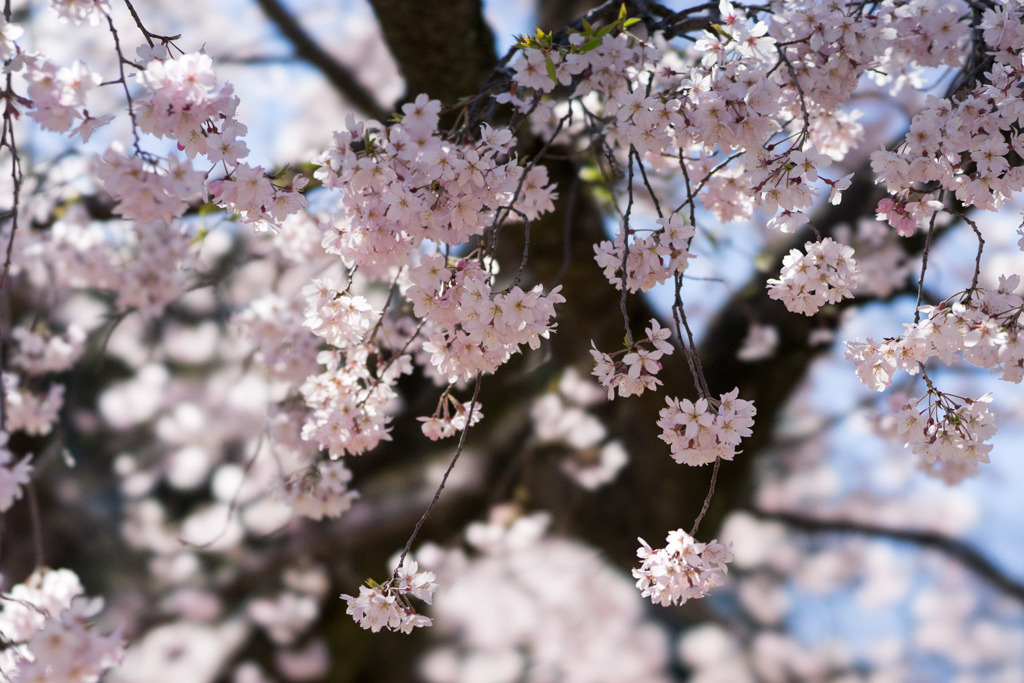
x=826 y=273
x=704 y=431
x=390 y=271
x=683 y=570
x=388 y=605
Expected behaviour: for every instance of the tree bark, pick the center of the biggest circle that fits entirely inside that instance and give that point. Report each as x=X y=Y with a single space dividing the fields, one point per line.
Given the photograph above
x=445 y=50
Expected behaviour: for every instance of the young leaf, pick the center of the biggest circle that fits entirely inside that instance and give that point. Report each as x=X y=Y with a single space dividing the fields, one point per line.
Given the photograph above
x=550 y=66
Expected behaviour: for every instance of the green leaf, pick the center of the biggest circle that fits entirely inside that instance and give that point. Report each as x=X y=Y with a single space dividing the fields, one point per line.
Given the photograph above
x=590 y=44
x=630 y=22
x=587 y=27
x=605 y=30
x=591 y=174
x=622 y=11
x=550 y=66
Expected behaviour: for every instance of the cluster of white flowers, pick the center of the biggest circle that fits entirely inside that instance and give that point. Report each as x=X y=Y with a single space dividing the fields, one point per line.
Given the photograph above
x=388 y=606
x=451 y=417
x=79 y=11
x=981 y=124
x=348 y=402
x=283 y=346
x=469 y=327
x=699 y=434
x=950 y=434
x=683 y=570
x=320 y=491
x=59 y=95
x=338 y=318
x=29 y=412
x=983 y=327
x=40 y=352
x=877 y=363
x=826 y=274
x=645 y=263
x=47 y=624
x=635 y=371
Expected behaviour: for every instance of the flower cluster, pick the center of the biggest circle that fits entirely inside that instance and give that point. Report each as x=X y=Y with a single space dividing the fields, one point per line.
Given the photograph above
x=964 y=143
x=58 y=95
x=983 y=326
x=40 y=352
x=348 y=402
x=683 y=570
x=700 y=433
x=29 y=412
x=339 y=319
x=470 y=329
x=451 y=417
x=826 y=274
x=408 y=194
x=907 y=215
x=635 y=371
x=388 y=606
x=645 y=263
x=320 y=491
x=184 y=104
x=949 y=434
x=144 y=192
x=283 y=345
x=47 y=622
x=720 y=116
x=561 y=417
x=448 y=193
x=81 y=11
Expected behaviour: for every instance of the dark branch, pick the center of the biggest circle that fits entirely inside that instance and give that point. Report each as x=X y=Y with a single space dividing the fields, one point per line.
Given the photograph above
x=963 y=553
x=307 y=49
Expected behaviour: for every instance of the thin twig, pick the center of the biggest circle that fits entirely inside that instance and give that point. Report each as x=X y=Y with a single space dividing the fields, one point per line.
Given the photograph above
x=977 y=258
x=689 y=347
x=123 y=80
x=707 y=498
x=37 y=524
x=444 y=479
x=624 y=278
x=924 y=266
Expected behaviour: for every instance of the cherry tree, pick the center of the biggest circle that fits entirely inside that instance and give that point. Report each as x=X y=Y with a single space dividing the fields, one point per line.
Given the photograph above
x=393 y=357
